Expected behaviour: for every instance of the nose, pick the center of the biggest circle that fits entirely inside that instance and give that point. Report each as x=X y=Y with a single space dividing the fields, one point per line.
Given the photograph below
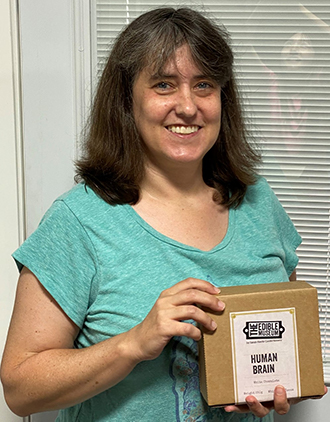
x=186 y=103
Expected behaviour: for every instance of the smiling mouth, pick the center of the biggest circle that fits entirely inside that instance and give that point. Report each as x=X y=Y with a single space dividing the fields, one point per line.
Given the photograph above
x=186 y=130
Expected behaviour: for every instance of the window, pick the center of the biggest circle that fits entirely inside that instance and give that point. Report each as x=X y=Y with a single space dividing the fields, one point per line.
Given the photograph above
x=283 y=66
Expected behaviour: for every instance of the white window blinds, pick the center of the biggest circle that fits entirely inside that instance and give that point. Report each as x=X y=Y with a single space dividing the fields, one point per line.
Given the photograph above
x=282 y=54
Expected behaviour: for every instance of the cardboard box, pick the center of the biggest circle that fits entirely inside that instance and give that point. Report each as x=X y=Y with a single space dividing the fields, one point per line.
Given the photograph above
x=267 y=335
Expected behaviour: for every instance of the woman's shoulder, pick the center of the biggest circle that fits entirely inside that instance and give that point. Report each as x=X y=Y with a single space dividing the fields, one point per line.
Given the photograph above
x=83 y=207
x=262 y=201
x=83 y=202
x=79 y=193
x=260 y=191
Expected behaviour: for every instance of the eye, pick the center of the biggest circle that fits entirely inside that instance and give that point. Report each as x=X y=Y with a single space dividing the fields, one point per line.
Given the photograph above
x=162 y=86
x=207 y=87
x=204 y=85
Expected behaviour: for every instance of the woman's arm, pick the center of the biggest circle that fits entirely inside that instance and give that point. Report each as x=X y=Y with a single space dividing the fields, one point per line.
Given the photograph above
x=41 y=370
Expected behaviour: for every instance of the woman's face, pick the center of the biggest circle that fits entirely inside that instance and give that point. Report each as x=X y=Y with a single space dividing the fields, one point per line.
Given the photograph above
x=177 y=112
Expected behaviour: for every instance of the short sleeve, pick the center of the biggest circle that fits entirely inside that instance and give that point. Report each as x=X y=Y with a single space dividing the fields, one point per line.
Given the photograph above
x=288 y=235
x=62 y=257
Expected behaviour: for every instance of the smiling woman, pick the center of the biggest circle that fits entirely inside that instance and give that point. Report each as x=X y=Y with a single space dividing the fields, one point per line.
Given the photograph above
x=168 y=206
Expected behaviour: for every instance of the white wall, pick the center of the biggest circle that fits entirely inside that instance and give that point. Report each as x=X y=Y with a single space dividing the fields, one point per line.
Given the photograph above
x=48 y=102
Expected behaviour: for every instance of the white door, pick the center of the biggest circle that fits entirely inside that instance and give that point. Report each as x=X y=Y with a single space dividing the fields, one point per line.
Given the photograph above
x=49 y=121
x=48 y=103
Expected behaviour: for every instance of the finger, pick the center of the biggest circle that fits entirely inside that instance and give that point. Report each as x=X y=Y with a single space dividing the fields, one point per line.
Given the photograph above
x=192 y=283
x=201 y=298
x=237 y=409
x=192 y=312
x=281 y=403
x=244 y=408
x=181 y=329
x=189 y=330
x=256 y=407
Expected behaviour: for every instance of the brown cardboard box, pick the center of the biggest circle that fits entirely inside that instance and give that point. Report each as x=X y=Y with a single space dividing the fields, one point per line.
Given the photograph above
x=267 y=335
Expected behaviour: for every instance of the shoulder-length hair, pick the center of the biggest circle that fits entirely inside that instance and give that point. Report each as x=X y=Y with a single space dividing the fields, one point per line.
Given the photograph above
x=113 y=157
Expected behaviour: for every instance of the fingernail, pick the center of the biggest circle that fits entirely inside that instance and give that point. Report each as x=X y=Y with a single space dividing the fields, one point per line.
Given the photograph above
x=214 y=325
x=249 y=402
x=279 y=390
x=221 y=305
x=216 y=289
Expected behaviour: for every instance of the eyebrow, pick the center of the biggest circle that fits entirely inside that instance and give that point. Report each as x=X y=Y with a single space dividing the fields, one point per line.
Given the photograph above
x=160 y=75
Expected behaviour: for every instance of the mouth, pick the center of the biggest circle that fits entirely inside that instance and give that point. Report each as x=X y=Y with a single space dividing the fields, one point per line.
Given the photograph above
x=183 y=130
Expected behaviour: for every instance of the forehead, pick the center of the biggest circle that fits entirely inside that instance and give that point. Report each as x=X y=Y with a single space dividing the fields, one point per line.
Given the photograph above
x=180 y=63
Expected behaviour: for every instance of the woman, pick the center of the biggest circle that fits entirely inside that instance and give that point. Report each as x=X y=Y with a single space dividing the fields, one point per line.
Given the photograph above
x=168 y=207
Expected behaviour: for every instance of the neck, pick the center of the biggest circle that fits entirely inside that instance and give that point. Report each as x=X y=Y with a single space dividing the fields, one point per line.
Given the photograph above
x=177 y=184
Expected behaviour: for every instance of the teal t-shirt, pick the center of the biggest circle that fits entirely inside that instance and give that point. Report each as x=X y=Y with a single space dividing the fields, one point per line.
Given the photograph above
x=106 y=267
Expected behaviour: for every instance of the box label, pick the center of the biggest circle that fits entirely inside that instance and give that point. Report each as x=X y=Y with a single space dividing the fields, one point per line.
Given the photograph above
x=265 y=353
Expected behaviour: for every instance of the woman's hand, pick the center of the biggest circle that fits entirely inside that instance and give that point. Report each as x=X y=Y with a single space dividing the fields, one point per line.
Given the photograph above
x=281 y=404
x=167 y=317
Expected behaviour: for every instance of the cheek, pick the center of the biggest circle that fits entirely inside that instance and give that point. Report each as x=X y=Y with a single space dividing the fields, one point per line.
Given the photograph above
x=158 y=108
x=215 y=113
x=151 y=111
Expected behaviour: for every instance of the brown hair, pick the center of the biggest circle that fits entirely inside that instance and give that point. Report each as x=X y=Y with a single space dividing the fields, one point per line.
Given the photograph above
x=113 y=158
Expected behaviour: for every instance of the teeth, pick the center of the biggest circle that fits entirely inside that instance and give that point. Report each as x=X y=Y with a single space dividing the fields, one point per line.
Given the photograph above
x=183 y=129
